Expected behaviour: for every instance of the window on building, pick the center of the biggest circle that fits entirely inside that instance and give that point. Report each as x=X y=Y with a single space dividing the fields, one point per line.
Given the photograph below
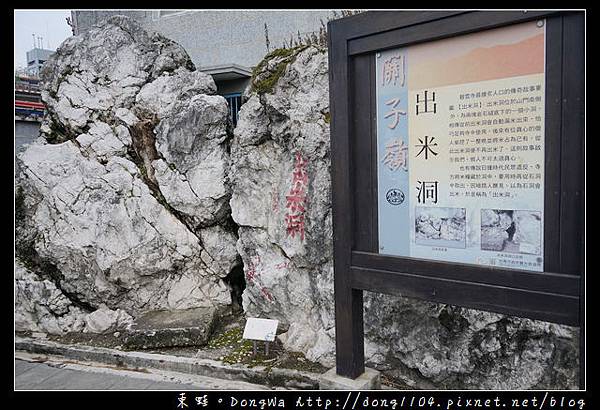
x=234 y=101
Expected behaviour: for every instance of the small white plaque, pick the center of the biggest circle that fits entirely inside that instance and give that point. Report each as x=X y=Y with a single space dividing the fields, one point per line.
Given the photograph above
x=260 y=329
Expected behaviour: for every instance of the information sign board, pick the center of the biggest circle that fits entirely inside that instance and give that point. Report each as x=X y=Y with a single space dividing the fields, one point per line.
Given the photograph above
x=458 y=152
x=460 y=143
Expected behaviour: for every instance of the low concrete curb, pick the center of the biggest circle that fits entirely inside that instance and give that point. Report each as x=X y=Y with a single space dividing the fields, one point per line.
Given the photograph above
x=277 y=377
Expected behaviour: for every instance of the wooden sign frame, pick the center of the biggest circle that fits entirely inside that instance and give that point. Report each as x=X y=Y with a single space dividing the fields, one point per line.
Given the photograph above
x=555 y=295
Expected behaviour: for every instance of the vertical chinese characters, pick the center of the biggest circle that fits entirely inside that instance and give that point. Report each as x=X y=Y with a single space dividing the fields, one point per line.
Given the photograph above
x=296 y=199
x=427 y=191
x=396 y=155
x=393 y=74
x=426 y=145
x=426 y=103
x=253 y=276
x=392 y=146
x=394 y=69
x=395 y=112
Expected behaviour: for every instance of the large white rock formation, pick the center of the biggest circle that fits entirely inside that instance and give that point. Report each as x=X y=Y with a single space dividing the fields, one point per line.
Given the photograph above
x=281 y=200
x=124 y=202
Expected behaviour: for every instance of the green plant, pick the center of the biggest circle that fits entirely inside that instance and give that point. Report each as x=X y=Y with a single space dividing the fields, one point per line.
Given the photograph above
x=263 y=80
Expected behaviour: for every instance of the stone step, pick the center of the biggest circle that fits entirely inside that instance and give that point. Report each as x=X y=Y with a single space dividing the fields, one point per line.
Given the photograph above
x=170 y=328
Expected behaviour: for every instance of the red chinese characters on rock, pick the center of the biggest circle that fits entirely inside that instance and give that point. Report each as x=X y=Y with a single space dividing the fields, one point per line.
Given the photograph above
x=253 y=277
x=282 y=265
x=251 y=272
x=296 y=199
x=266 y=294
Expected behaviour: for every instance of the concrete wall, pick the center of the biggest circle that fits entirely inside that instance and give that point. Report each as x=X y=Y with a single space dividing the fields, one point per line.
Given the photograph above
x=215 y=37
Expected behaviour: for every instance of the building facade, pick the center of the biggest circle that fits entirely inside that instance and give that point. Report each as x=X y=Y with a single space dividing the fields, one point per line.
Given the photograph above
x=29 y=110
x=35 y=59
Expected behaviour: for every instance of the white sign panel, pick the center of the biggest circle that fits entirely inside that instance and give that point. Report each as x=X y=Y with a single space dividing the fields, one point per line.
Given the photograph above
x=260 y=329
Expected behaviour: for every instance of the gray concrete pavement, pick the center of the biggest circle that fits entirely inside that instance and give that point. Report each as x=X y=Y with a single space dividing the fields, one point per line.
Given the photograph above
x=53 y=373
x=281 y=377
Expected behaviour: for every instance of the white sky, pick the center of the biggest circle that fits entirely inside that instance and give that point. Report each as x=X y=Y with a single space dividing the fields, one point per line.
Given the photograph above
x=49 y=24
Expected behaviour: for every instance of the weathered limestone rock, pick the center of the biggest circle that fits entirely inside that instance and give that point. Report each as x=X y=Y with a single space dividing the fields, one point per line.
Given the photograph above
x=126 y=198
x=41 y=306
x=280 y=199
x=280 y=178
x=105 y=320
x=192 y=173
x=428 y=345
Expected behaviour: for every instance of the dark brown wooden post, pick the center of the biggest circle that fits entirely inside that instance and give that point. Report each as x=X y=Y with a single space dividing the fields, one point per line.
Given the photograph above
x=572 y=227
x=348 y=302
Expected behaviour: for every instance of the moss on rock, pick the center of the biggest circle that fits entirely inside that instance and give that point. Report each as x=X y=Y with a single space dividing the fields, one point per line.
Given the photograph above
x=264 y=79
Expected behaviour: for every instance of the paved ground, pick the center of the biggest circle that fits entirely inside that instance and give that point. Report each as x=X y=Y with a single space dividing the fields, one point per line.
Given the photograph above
x=52 y=373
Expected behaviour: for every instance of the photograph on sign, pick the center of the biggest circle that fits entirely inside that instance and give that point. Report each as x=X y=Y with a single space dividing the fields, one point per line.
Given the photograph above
x=512 y=231
x=441 y=227
x=460 y=137
x=260 y=329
